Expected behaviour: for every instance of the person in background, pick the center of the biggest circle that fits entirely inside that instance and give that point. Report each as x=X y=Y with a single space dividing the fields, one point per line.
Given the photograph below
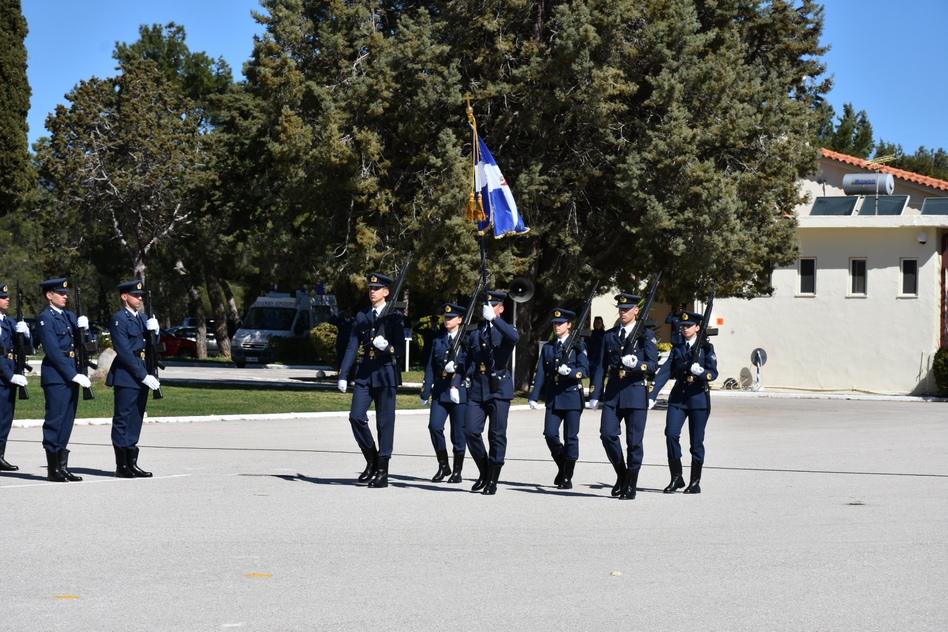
x=10 y=380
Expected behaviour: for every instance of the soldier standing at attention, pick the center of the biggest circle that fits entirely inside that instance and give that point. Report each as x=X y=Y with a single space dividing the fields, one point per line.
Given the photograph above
x=444 y=386
x=129 y=375
x=628 y=363
x=693 y=370
x=10 y=380
x=376 y=380
x=560 y=380
x=489 y=349
x=58 y=332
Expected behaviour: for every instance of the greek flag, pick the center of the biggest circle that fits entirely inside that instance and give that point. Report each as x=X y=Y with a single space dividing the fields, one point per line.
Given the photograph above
x=498 y=201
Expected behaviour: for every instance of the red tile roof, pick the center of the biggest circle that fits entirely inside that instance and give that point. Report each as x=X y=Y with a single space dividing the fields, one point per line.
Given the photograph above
x=934 y=183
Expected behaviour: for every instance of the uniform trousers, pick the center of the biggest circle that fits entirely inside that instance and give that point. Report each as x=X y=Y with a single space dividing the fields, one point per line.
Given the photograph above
x=363 y=396
x=7 y=406
x=551 y=430
x=697 y=422
x=477 y=415
x=440 y=412
x=610 y=428
x=61 y=403
x=129 y=415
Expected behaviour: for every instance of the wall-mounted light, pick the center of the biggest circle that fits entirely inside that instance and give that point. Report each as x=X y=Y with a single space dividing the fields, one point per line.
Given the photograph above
x=922 y=237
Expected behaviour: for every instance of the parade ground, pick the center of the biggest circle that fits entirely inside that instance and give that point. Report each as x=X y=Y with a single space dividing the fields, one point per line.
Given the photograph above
x=815 y=514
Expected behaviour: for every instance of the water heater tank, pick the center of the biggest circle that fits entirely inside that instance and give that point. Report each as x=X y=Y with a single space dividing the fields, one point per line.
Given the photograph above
x=868 y=184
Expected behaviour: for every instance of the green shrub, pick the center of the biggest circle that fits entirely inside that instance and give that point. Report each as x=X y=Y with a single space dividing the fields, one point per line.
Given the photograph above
x=322 y=338
x=940 y=370
x=664 y=347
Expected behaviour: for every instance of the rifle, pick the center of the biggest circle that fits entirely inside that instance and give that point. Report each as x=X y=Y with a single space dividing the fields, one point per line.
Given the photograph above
x=153 y=349
x=22 y=345
x=583 y=317
x=643 y=313
x=86 y=346
x=468 y=317
x=396 y=290
x=702 y=336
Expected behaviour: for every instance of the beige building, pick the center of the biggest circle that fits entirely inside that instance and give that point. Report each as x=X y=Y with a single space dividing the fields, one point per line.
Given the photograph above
x=863 y=308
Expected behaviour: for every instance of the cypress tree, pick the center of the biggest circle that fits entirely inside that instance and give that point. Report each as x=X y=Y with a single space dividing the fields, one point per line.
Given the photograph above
x=16 y=172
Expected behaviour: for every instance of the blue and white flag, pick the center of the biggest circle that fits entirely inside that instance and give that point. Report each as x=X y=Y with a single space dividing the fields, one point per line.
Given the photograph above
x=499 y=205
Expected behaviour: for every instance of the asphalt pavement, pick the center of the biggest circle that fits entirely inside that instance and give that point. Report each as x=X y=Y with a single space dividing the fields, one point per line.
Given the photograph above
x=815 y=514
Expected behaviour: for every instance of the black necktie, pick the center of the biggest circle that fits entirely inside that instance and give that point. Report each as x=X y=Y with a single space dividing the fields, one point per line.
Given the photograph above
x=559 y=348
x=622 y=337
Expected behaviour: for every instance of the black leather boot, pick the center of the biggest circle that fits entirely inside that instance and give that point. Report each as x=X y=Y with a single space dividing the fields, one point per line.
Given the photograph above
x=121 y=463
x=370 y=454
x=381 y=473
x=628 y=490
x=677 y=482
x=558 y=459
x=491 y=487
x=52 y=468
x=621 y=473
x=4 y=466
x=483 y=474
x=64 y=466
x=458 y=466
x=568 y=467
x=443 y=469
x=133 y=464
x=693 y=486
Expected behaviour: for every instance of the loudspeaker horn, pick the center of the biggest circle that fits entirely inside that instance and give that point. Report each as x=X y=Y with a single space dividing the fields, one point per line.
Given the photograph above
x=520 y=289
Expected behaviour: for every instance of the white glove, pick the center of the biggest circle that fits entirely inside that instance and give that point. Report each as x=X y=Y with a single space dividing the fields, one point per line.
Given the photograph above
x=18 y=380
x=341 y=385
x=449 y=367
x=563 y=370
x=455 y=395
x=152 y=324
x=488 y=313
x=82 y=380
x=533 y=405
x=697 y=369
x=151 y=382
x=82 y=322
x=594 y=404
x=22 y=327
x=630 y=360
x=380 y=343
x=651 y=404
x=426 y=402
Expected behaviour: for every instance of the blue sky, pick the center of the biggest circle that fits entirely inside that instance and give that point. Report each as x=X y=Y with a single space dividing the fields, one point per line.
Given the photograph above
x=889 y=59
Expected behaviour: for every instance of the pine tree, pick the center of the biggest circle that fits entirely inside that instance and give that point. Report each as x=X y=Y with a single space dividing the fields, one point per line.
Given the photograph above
x=16 y=173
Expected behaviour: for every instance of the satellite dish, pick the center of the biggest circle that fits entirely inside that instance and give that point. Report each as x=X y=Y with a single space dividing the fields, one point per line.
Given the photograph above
x=758 y=357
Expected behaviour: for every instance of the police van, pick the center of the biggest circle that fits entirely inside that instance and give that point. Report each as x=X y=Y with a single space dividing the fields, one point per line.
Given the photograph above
x=278 y=315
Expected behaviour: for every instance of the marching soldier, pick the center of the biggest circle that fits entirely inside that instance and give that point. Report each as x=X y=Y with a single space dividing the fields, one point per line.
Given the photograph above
x=58 y=332
x=489 y=349
x=376 y=380
x=629 y=364
x=130 y=378
x=560 y=380
x=693 y=370
x=444 y=388
x=10 y=380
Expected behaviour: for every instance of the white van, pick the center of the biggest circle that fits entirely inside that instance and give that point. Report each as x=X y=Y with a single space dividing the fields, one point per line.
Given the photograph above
x=278 y=315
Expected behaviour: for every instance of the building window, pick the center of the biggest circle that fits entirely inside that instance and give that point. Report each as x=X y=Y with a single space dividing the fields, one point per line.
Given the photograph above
x=909 y=277
x=857 y=277
x=807 y=276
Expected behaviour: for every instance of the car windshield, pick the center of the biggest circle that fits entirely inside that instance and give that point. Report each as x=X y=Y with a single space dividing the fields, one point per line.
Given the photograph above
x=273 y=318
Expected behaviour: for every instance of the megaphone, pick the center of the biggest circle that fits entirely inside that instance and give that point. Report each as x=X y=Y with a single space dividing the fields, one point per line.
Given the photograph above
x=520 y=290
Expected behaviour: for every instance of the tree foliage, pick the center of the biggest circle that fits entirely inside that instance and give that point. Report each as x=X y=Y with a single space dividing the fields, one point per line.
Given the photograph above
x=16 y=173
x=851 y=135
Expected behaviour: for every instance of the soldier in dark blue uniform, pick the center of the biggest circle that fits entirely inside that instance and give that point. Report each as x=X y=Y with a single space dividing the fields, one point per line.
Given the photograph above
x=129 y=375
x=376 y=380
x=559 y=379
x=629 y=364
x=489 y=349
x=58 y=332
x=444 y=386
x=10 y=380
x=693 y=370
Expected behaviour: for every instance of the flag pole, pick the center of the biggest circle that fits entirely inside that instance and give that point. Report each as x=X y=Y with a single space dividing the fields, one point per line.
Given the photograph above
x=476 y=213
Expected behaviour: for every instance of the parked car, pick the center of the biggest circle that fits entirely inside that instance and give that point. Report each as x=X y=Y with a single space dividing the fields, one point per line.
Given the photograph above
x=176 y=346
x=190 y=333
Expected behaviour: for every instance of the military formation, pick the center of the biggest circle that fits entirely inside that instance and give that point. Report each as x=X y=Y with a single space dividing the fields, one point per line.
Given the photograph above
x=467 y=384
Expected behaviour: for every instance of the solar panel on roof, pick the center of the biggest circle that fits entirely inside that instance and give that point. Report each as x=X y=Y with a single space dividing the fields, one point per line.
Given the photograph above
x=883 y=205
x=935 y=206
x=834 y=205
